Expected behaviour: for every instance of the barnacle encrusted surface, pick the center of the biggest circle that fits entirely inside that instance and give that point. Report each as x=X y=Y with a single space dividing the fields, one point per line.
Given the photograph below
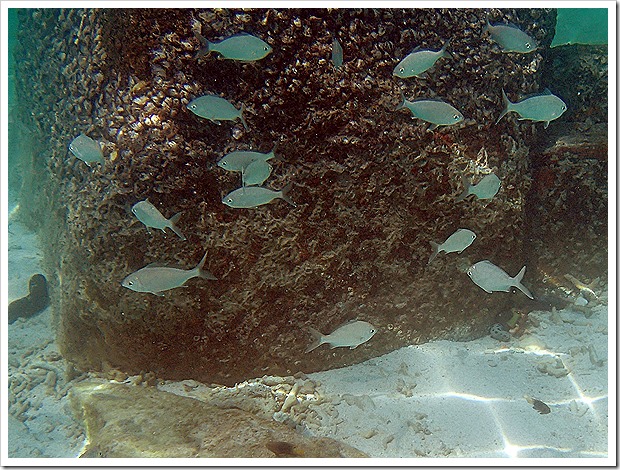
x=372 y=186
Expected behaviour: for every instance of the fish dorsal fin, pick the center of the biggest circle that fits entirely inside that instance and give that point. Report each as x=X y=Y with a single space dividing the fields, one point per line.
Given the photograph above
x=545 y=92
x=155 y=264
x=438 y=100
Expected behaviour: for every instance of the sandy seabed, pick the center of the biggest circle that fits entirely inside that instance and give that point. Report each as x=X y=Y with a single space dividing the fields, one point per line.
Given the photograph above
x=440 y=399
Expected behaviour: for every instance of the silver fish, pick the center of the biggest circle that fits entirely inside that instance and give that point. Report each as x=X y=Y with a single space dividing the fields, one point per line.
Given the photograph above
x=349 y=335
x=256 y=173
x=216 y=109
x=544 y=107
x=437 y=112
x=511 y=38
x=486 y=188
x=493 y=279
x=253 y=196
x=156 y=279
x=337 y=54
x=419 y=61
x=240 y=160
x=243 y=47
x=148 y=214
x=86 y=149
x=458 y=241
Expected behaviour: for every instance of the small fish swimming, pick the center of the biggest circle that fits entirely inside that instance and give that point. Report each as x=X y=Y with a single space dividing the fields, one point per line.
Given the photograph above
x=511 y=38
x=256 y=173
x=216 y=109
x=539 y=406
x=493 y=279
x=458 y=241
x=543 y=107
x=337 y=54
x=437 y=112
x=243 y=47
x=349 y=335
x=486 y=188
x=253 y=196
x=240 y=160
x=419 y=61
x=285 y=449
x=156 y=279
x=86 y=149
x=148 y=214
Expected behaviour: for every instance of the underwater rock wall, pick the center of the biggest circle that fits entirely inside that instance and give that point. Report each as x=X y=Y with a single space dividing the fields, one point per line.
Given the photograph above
x=372 y=185
x=567 y=207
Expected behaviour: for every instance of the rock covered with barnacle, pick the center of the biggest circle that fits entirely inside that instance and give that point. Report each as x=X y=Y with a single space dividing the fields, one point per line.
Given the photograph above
x=371 y=185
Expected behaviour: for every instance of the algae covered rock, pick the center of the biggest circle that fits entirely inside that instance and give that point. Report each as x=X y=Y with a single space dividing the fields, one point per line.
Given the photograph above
x=128 y=421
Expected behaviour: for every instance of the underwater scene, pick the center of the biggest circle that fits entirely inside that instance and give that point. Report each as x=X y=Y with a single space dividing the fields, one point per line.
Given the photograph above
x=308 y=233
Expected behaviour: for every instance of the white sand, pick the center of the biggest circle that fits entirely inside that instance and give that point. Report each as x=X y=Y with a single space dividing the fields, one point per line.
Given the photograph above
x=441 y=399
x=40 y=422
x=446 y=399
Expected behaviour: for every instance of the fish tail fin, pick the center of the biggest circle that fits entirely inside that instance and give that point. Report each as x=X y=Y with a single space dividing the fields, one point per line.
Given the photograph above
x=520 y=286
x=487 y=26
x=436 y=250
x=465 y=192
x=206 y=46
x=245 y=124
x=201 y=272
x=507 y=106
x=401 y=105
x=444 y=51
x=173 y=226
x=316 y=341
x=284 y=194
x=273 y=153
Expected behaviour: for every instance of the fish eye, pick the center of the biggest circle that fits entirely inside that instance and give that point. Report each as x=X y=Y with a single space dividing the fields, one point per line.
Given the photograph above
x=527 y=45
x=130 y=283
x=266 y=48
x=229 y=200
x=455 y=117
x=192 y=106
x=563 y=107
x=401 y=70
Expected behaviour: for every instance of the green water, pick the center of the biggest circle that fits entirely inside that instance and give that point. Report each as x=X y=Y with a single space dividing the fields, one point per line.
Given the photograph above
x=580 y=26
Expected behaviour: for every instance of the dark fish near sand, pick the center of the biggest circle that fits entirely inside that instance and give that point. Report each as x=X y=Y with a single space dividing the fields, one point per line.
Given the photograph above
x=539 y=406
x=285 y=449
x=36 y=301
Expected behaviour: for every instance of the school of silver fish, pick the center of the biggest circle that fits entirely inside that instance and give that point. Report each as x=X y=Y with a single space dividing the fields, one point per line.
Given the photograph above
x=255 y=168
